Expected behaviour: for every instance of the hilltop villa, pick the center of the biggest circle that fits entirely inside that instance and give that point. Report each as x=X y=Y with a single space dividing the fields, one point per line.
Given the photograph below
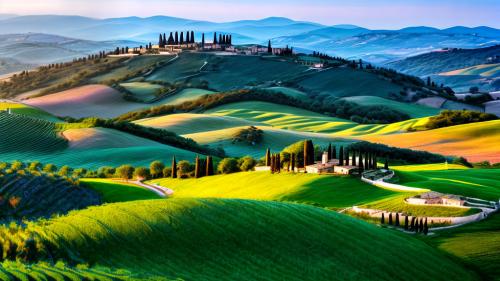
x=326 y=166
x=436 y=198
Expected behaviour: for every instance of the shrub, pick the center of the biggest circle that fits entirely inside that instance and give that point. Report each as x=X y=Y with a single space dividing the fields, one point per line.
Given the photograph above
x=458 y=117
x=247 y=163
x=156 y=169
x=167 y=172
x=251 y=135
x=228 y=166
x=141 y=173
x=106 y=172
x=184 y=168
x=49 y=168
x=125 y=172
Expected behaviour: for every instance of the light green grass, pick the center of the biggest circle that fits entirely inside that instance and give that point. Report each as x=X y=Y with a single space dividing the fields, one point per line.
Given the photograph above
x=478 y=183
x=186 y=95
x=397 y=203
x=414 y=110
x=327 y=191
x=214 y=239
x=478 y=244
x=112 y=191
x=23 y=109
x=142 y=90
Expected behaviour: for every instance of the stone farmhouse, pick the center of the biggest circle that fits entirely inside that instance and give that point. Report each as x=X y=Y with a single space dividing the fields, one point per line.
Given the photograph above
x=436 y=198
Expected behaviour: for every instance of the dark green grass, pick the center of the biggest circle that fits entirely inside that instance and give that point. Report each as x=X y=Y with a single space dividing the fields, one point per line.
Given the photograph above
x=477 y=244
x=214 y=239
x=112 y=191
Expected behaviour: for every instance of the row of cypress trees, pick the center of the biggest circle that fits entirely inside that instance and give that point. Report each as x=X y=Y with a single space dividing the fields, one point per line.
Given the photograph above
x=176 y=39
x=203 y=167
x=417 y=225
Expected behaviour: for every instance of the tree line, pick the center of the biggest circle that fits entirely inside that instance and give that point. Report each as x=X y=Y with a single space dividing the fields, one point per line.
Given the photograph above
x=417 y=225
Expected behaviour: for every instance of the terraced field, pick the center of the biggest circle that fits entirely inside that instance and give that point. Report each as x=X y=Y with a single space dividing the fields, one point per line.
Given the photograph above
x=214 y=239
x=473 y=141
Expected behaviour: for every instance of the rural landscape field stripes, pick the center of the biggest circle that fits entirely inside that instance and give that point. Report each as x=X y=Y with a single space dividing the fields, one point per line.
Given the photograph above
x=141 y=147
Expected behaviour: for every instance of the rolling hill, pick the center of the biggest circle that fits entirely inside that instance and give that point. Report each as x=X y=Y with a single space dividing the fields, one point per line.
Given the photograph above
x=230 y=239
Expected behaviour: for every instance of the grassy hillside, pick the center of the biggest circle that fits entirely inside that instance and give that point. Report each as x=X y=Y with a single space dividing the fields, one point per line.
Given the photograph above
x=486 y=70
x=213 y=239
x=477 y=183
x=186 y=95
x=23 y=109
x=27 y=134
x=477 y=244
x=327 y=191
x=473 y=141
x=414 y=110
x=142 y=91
x=113 y=191
x=29 y=196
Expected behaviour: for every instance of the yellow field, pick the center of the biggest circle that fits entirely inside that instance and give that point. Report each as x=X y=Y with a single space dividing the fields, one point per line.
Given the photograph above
x=476 y=141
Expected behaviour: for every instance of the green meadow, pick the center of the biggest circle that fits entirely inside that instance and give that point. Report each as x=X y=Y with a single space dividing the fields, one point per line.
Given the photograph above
x=113 y=191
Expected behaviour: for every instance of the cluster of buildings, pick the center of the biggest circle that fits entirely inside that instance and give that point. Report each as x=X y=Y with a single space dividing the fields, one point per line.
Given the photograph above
x=436 y=198
x=330 y=166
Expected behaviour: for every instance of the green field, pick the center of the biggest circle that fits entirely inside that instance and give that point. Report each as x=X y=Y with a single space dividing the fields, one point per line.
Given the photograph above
x=22 y=109
x=414 y=110
x=477 y=244
x=113 y=191
x=396 y=203
x=477 y=183
x=326 y=191
x=142 y=90
x=214 y=239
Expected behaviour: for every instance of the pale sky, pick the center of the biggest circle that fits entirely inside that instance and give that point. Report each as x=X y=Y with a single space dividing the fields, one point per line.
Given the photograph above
x=367 y=13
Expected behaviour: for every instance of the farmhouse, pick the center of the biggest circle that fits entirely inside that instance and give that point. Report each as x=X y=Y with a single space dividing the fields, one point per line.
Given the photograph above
x=330 y=166
x=436 y=198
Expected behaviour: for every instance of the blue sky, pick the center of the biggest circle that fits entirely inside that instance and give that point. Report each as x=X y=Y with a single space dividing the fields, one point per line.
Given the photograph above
x=368 y=13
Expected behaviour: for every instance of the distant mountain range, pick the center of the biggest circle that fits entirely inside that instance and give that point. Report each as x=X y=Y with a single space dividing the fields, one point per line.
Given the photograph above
x=24 y=51
x=378 y=46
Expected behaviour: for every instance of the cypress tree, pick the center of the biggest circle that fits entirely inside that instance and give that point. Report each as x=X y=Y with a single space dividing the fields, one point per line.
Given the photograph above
x=174 y=168
x=382 y=219
x=160 y=41
x=426 y=227
x=273 y=165
x=197 y=167
x=386 y=164
x=203 y=40
x=230 y=39
x=215 y=38
x=292 y=160
x=334 y=152
x=406 y=222
x=176 y=39
x=181 y=39
x=269 y=47
x=341 y=156
x=412 y=225
x=354 y=158
x=375 y=161
x=360 y=164
x=164 y=40
x=278 y=163
x=347 y=157
x=390 y=218
x=268 y=157
x=221 y=41
x=397 y=220
x=171 y=39
x=192 y=37
x=421 y=226
x=188 y=40
x=210 y=166
x=417 y=226
x=329 y=151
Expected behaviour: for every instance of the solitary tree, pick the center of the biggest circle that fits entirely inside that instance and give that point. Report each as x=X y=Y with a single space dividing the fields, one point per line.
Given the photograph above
x=156 y=169
x=174 y=168
x=269 y=47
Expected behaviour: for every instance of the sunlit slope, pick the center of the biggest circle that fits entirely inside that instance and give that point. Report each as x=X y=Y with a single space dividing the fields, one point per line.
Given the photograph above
x=23 y=109
x=213 y=239
x=413 y=110
x=115 y=191
x=475 y=141
x=273 y=138
x=454 y=179
x=486 y=70
x=187 y=123
x=334 y=192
